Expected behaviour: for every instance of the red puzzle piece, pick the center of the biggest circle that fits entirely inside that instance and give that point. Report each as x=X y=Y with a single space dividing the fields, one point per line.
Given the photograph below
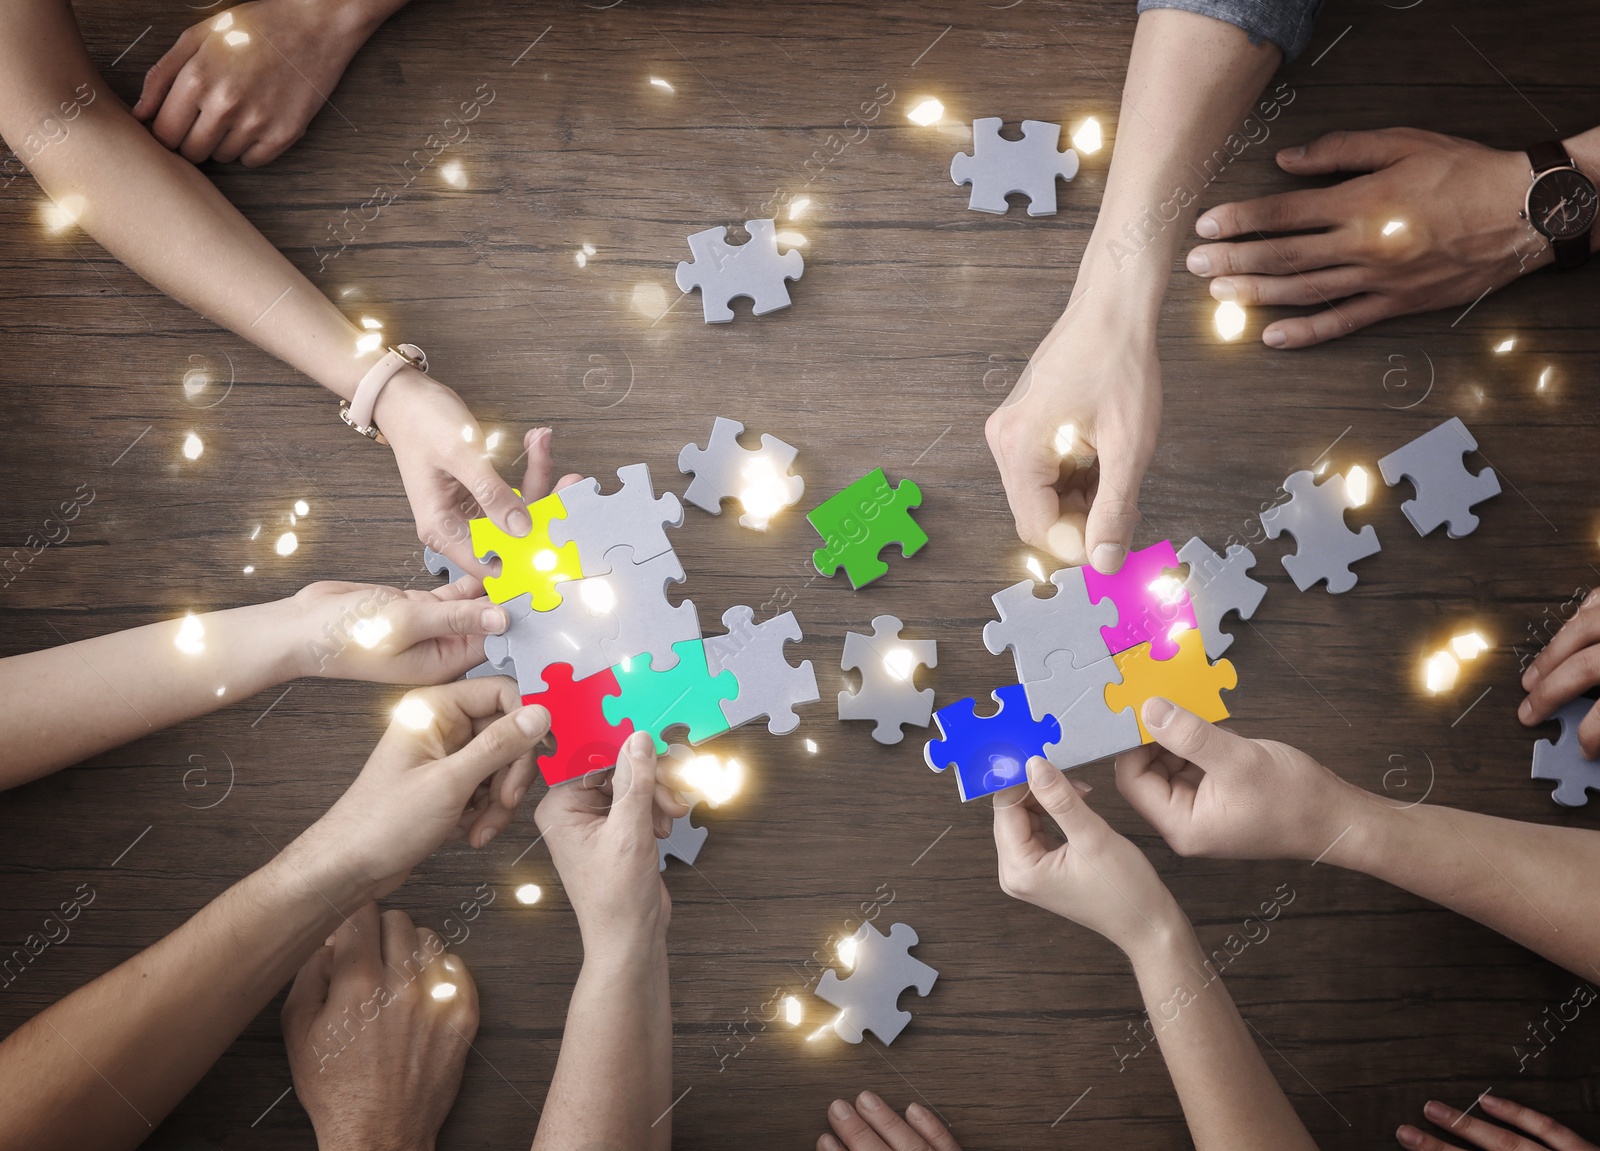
x=585 y=742
x=1144 y=614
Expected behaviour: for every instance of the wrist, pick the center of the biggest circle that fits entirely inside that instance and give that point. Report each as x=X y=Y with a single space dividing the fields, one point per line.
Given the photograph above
x=359 y=17
x=403 y=388
x=1163 y=936
x=317 y=862
x=1362 y=825
x=625 y=953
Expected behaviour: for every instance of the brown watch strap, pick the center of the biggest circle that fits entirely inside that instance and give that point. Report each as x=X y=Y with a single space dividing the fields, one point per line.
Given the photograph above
x=1548 y=154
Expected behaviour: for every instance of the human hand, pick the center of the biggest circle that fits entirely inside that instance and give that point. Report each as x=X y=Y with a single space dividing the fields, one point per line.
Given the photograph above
x=1212 y=793
x=1097 y=878
x=1568 y=666
x=382 y=635
x=872 y=1125
x=249 y=99
x=428 y=780
x=602 y=830
x=1549 y=1135
x=1098 y=374
x=388 y=1085
x=1457 y=203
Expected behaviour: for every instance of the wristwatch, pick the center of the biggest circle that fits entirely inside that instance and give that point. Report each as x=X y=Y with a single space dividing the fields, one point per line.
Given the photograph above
x=1561 y=203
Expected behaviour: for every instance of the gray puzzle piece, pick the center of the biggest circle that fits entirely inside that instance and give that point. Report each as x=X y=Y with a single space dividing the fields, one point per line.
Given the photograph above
x=724 y=271
x=646 y=621
x=570 y=633
x=441 y=565
x=868 y=998
x=1446 y=491
x=1564 y=761
x=1217 y=586
x=885 y=698
x=1076 y=696
x=768 y=684
x=720 y=469
x=998 y=166
x=634 y=516
x=1325 y=547
x=1033 y=628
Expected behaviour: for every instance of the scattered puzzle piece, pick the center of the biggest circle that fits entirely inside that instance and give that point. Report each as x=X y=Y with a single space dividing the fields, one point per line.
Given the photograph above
x=768 y=684
x=1075 y=696
x=1564 y=761
x=572 y=633
x=868 y=998
x=1150 y=604
x=1033 y=628
x=646 y=623
x=532 y=565
x=634 y=516
x=1218 y=586
x=1325 y=546
x=997 y=166
x=861 y=521
x=586 y=740
x=990 y=752
x=723 y=469
x=1187 y=679
x=723 y=272
x=888 y=667
x=1446 y=491
x=684 y=694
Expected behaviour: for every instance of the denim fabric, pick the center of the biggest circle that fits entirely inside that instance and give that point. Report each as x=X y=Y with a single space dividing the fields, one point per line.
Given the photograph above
x=1287 y=23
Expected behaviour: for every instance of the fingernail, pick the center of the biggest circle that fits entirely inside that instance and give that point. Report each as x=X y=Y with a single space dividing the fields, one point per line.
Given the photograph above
x=1083 y=788
x=829 y=1143
x=1223 y=290
x=519 y=522
x=1274 y=338
x=1158 y=711
x=917 y=1112
x=1295 y=153
x=527 y=719
x=1207 y=227
x=867 y=1101
x=483 y=840
x=1108 y=558
x=1525 y=711
x=328 y=942
x=1199 y=262
x=1437 y=1112
x=1530 y=677
x=640 y=743
x=839 y=1109
x=516 y=796
x=494 y=620
x=1408 y=1135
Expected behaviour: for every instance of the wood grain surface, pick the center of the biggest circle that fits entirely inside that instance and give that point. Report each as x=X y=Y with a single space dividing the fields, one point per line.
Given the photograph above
x=911 y=322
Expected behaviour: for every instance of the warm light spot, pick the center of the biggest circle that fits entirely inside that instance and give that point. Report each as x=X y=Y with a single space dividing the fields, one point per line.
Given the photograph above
x=301 y=508
x=1322 y=468
x=256 y=533
x=371 y=325
x=847 y=952
x=467 y=433
x=1439 y=672
x=544 y=560
x=825 y=1028
x=1088 y=138
x=650 y=300
x=583 y=259
x=59 y=215
x=1469 y=645
x=369 y=633
x=224 y=22
x=658 y=82
x=368 y=343
x=191 y=637
x=287 y=543
x=1229 y=320
x=791 y=239
x=1544 y=379
x=900 y=663
x=443 y=991
x=793 y=1013
x=1392 y=227
x=413 y=713
x=192 y=447
x=221 y=691
x=598 y=595
x=765 y=492
x=453 y=174
x=492 y=441
x=718 y=781
x=1177 y=629
x=249 y=569
x=1357 y=485
x=1066 y=439
x=798 y=208
x=236 y=38
x=293 y=519
x=1168 y=589
x=1035 y=568
x=811 y=746
x=529 y=894
x=588 y=249
x=1506 y=344
x=927 y=112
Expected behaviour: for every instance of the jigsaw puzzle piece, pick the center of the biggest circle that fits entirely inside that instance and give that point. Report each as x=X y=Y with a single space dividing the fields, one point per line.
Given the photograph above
x=687 y=693
x=1075 y=696
x=1188 y=679
x=769 y=684
x=998 y=167
x=1152 y=603
x=586 y=740
x=1034 y=627
x=724 y=469
x=571 y=633
x=1446 y=491
x=862 y=520
x=990 y=752
x=634 y=516
x=531 y=565
x=1324 y=546
x=441 y=565
x=1217 y=586
x=868 y=998
x=636 y=596
x=1563 y=761
x=888 y=667
x=723 y=272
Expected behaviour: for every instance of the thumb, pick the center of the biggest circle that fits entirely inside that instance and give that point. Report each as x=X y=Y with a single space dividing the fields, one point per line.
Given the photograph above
x=1028 y=472
x=158 y=81
x=633 y=784
x=501 y=743
x=425 y=619
x=307 y=996
x=1064 y=803
x=1345 y=152
x=1191 y=738
x=1114 y=514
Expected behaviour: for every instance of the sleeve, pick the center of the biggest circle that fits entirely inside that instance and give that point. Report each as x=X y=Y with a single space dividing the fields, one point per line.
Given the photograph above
x=1286 y=23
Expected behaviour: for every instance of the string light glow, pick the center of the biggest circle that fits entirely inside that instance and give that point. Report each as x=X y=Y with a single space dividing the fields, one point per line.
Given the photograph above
x=288 y=543
x=1439 y=672
x=927 y=112
x=192 y=446
x=1230 y=320
x=1392 y=227
x=369 y=633
x=1506 y=345
x=413 y=713
x=1469 y=645
x=765 y=492
x=793 y=1013
x=1357 y=485
x=301 y=508
x=658 y=82
x=847 y=952
x=799 y=206
x=717 y=781
x=453 y=174
x=1035 y=568
x=791 y=239
x=235 y=38
x=1088 y=138
x=191 y=637
x=811 y=746
x=529 y=894
x=597 y=595
x=1544 y=379
x=59 y=215
x=443 y=991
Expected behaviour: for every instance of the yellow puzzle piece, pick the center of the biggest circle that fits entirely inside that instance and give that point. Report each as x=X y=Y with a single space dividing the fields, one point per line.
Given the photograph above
x=1187 y=679
x=531 y=564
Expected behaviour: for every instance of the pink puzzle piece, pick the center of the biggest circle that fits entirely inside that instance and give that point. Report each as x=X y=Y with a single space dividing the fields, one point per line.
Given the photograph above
x=1150 y=609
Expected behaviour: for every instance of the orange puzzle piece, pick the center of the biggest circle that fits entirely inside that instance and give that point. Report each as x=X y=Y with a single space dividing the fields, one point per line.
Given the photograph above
x=1187 y=679
x=532 y=563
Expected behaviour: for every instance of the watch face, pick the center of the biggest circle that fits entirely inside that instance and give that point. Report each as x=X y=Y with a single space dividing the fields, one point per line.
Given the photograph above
x=1562 y=204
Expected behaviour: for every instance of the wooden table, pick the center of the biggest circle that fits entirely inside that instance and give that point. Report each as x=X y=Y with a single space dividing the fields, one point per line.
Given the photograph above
x=912 y=320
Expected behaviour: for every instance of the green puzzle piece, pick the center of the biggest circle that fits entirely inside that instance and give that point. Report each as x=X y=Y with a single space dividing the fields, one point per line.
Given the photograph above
x=861 y=521
x=686 y=693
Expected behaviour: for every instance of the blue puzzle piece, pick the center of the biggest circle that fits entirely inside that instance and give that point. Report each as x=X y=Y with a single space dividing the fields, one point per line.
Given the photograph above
x=1564 y=760
x=990 y=752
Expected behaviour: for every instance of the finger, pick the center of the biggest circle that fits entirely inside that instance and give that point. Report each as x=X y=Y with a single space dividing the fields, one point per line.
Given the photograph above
x=204 y=135
x=308 y=995
x=1015 y=843
x=1419 y=1140
x=633 y=785
x=496 y=746
x=1108 y=533
x=1280 y=256
x=1064 y=804
x=495 y=497
x=1301 y=289
x=929 y=1127
x=238 y=140
x=398 y=937
x=178 y=111
x=669 y=802
x=158 y=81
x=272 y=143
x=472 y=703
x=1285 y=212
x=357 y=949
x=536 y=477
x=1535 y=1123
x=1147 y=788
x=1475 y=1130
x=893 y=1130
x=1348 y=152
x=1339 y=320
x=447 y=983
x=1561 y=684
x=514 y=784
x=423 y=619
x=568 y=480
x=852 y=1129
x=1029 y=472
x=1579 y=632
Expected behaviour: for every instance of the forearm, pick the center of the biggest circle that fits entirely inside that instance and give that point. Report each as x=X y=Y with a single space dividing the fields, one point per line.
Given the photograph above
x=65 y=704
x=1531 y=883
x=1230 y=1099
x=613 y=1081
x=101 y=1068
